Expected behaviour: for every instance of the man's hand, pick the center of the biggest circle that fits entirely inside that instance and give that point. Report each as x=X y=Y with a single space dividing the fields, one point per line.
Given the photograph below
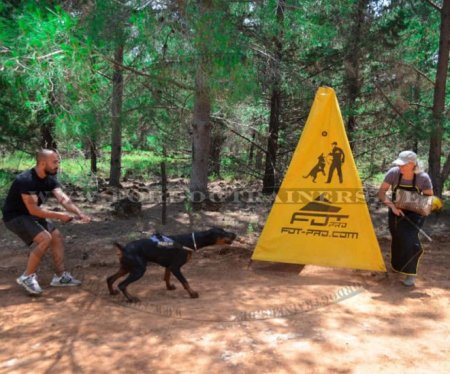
x=65 y=217
x=65 y=201
x=84 y=218
x=397 y=212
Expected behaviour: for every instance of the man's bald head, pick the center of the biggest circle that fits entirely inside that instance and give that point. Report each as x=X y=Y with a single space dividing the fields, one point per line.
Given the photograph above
x=47 y=161
x=43 y=154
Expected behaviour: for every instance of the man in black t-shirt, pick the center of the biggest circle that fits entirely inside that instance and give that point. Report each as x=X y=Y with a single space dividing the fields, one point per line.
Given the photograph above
x=338 y=158
x=23 y=216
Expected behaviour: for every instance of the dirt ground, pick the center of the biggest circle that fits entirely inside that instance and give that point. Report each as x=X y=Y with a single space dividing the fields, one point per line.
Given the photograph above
x=266 y=318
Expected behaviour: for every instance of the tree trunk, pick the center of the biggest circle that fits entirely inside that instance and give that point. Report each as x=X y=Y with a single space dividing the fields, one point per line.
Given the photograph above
x=251 y=150
x=352 y=62
x=201 y=121
x=163 y=192
x=47 y=124
x=116 y=119
x=93 y=156
x=201 y=135
x=269 y=179
x=434 y=156
x=272 y=142
x=217 y=140
x=47 y=139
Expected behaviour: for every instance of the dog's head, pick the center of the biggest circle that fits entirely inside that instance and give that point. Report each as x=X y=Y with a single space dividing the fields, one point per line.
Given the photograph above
x=217 y=235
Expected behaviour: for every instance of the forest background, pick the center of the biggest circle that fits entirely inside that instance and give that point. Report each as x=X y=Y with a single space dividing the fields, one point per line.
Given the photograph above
x=209 y=89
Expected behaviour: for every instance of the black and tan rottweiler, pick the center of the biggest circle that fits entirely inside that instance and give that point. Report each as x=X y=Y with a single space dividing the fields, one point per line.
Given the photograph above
x=171 y=252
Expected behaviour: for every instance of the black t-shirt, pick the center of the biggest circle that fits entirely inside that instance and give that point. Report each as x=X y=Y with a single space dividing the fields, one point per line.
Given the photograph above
x=27 y=183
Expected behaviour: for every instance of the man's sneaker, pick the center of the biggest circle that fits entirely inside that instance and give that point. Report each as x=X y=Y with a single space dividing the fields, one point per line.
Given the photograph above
x=409 y=281
x=30 y=283
x=66 y=279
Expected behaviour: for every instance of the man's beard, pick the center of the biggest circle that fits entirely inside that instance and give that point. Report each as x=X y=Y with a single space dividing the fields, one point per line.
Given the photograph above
x=51 y=172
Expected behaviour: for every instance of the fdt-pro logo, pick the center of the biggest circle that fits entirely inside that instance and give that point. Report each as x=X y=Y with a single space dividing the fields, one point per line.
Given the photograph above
x=320 y=218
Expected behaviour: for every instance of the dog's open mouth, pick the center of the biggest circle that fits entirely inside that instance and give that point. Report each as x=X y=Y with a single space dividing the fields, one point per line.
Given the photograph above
x=229 y=239
x=226 y=239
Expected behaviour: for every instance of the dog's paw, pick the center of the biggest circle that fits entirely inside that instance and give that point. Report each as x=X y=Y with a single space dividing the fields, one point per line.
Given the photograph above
x=194 y=295
x=114 y=292
x=133 y=300
x=171 y=287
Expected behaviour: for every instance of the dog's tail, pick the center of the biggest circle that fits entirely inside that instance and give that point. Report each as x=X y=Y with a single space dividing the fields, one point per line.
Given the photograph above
x=119 y=247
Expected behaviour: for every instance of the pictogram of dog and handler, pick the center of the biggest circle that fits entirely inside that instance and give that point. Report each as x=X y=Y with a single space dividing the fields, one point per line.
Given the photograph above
x=335 y=158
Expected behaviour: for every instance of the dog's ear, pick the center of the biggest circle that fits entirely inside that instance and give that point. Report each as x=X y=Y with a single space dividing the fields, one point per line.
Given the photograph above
x=118 y=246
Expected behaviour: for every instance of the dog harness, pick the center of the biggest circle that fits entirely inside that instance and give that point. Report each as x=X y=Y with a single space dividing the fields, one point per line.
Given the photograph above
x=163 y=241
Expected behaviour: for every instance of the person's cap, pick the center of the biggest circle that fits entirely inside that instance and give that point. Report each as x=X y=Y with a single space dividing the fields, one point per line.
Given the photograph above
x=405 y=157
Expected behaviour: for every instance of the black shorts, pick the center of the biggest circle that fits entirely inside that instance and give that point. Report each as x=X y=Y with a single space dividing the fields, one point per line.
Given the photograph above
x=27 y=227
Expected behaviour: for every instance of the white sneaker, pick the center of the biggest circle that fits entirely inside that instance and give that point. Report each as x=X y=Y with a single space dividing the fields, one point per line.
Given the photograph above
x=409 y=281
x=65 y=280
x=30 y=283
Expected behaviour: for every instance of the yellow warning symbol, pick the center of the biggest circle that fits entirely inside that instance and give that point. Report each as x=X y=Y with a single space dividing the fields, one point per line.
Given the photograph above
x=320 y=215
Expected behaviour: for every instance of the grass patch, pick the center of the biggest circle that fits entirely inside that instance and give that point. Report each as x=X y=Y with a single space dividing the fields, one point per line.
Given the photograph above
x=76 y=170
x=17 y=161
x=10 y=166
x=376 y=179
x=6 y=178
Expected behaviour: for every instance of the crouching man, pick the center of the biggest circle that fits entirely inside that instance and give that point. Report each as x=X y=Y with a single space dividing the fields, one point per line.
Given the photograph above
x=23 y=216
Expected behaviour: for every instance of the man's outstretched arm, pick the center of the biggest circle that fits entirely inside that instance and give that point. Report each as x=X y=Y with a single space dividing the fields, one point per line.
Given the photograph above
x=68 y=204
x=31 y=203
